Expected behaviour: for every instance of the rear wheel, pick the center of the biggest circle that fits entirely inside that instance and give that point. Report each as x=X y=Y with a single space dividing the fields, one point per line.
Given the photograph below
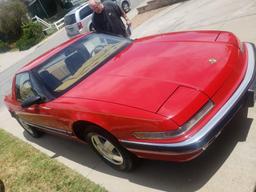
x=30 y=130
x=112 y=153
x=126 y=6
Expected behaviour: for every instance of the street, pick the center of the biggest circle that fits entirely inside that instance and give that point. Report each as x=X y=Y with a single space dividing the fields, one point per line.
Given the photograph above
x=228 y=165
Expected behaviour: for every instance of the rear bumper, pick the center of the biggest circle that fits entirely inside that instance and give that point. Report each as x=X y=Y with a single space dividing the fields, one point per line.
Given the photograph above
x=195 y=145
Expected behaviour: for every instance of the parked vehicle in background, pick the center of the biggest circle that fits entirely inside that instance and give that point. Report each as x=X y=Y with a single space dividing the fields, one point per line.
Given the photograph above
x=124 y=4
x=78 y=20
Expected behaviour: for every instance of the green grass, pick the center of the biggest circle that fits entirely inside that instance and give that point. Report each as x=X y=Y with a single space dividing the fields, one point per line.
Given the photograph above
x=23 y=168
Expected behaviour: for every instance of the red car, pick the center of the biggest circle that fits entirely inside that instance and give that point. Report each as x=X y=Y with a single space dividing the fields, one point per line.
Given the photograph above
x=164 y=97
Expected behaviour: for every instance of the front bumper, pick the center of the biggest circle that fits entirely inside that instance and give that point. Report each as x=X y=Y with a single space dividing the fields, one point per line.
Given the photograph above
x=196 y=144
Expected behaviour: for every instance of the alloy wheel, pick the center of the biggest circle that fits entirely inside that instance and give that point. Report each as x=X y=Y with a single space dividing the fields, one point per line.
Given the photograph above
x=107 y=149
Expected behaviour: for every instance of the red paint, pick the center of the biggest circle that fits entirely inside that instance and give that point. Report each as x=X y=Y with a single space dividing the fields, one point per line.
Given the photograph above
x=155 y=84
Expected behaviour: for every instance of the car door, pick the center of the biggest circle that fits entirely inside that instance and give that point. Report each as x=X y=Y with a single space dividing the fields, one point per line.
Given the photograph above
x=85 y=15
x=44 y=115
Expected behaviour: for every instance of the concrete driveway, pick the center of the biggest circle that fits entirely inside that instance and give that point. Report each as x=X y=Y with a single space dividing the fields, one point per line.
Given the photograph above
x=238 y=16
x=228 y=165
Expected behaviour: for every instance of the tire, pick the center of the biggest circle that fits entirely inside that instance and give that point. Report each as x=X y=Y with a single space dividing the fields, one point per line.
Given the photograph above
x=110 y=151
x=126 y=7
x=29 y=129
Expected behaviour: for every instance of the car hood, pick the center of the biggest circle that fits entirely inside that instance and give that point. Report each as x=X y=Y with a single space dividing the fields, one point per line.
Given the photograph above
x=146 y=94
x=148 y=72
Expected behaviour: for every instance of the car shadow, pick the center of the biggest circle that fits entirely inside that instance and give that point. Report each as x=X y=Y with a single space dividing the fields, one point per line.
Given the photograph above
x=166 y=176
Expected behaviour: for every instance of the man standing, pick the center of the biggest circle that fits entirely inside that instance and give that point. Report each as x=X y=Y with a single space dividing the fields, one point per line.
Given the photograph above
x=107 y=18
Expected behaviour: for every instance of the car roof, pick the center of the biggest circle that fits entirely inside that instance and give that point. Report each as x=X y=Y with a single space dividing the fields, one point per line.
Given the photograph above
x=39 y=60
x=73 y=11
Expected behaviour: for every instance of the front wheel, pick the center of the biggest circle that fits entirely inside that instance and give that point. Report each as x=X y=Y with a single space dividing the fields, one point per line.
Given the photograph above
x=112 y=153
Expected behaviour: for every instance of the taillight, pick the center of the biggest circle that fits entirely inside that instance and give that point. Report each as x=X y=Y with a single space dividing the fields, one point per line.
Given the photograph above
x=80 y=26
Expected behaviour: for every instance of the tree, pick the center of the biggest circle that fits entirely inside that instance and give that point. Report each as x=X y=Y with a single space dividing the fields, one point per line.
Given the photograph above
x=12 y=15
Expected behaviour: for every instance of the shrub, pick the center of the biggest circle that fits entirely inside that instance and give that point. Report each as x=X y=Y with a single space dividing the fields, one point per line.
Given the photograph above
x=32 y=33
x=12 y=15
x=3 y=47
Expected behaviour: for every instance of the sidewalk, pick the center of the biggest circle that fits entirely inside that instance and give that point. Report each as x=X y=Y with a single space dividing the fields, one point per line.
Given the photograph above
x=10 y=58
x=229 y=165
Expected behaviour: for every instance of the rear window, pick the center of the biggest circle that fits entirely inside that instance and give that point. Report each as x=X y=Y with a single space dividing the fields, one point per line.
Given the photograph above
x=86 y=11
x=70 y=19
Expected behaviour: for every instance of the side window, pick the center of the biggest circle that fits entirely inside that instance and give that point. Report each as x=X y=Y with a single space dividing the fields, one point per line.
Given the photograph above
x=85 y=12
x=24 y=88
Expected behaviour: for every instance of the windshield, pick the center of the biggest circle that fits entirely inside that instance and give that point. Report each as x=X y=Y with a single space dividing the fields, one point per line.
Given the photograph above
x=75 y=62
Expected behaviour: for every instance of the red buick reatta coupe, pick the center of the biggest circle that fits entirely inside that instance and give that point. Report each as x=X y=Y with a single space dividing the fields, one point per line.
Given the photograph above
x=164 y=97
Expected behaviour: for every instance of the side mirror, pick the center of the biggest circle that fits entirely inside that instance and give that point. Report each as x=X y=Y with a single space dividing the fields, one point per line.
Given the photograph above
x=31 y=101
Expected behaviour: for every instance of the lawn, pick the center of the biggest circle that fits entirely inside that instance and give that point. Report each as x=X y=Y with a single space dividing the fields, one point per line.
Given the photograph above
x=23 y=168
